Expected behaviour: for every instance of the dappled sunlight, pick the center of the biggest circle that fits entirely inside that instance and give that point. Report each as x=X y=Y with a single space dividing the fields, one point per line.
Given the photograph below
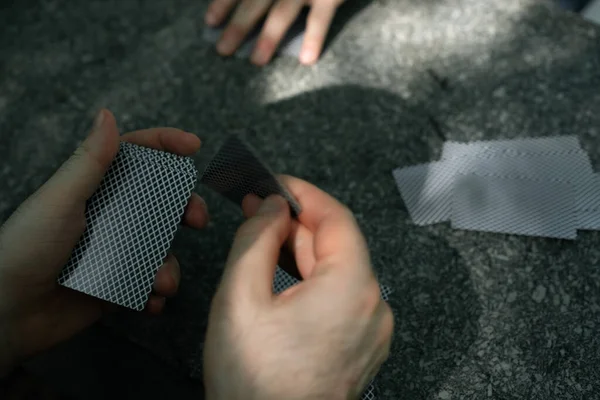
x=460 y=38
x=477 y=312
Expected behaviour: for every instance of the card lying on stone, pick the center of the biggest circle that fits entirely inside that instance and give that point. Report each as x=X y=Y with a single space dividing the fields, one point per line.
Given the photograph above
x=534 y=186
x=131 y=221
x=290 y=45
x=542 y=145
x=517 y=206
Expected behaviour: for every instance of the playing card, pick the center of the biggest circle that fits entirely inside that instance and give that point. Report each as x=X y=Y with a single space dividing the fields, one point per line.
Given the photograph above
x=589 y=195
x=427 y=191
x=427 y=188
x=588 y=220
x=574 y=167
x=236 y=171
x=549 y=144
x=514 y=206
x=130 y=223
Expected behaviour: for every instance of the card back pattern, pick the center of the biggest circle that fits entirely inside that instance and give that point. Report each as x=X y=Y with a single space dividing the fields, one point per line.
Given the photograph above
x=237 y=171
x=131 y=221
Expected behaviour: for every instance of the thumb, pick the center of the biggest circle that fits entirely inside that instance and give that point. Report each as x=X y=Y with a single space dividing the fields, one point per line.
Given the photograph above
x=79 y=177
x=53 y=217
x=253 y=257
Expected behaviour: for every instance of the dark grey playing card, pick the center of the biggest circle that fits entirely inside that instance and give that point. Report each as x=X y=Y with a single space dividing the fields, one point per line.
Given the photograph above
x=130 y=223
x=237 y=171
x=290 y=45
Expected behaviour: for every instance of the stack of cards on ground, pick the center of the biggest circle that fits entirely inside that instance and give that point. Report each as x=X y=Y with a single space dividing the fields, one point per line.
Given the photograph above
x=538 y=187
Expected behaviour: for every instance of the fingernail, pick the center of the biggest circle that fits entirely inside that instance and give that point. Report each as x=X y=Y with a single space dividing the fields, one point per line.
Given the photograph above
x=308 y=56
x=272 y=205
x=99 y=120
x=95 y=139
x=205 y=206
x=192 y=140
x=176 y=275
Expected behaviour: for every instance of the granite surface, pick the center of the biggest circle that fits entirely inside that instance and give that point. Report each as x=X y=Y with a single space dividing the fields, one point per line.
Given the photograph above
x=477 y=315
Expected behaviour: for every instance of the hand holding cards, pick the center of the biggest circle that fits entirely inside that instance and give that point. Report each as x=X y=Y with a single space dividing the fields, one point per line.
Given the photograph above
x=37 y=240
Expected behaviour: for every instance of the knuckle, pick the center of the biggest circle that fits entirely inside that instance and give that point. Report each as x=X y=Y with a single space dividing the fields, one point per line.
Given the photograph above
x=251 y=231
x=371 y=298
x=83 y=154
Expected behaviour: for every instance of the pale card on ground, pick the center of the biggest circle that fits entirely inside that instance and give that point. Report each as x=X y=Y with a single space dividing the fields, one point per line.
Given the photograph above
x=514 y=206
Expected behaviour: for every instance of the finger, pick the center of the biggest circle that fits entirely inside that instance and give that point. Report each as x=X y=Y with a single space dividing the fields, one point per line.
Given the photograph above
x=196 y=212
x=167 y=278
x=337 y=237
x=300 y=241
x=53 y=217
x=250 y=205
x=217 y=11
x=317 y=26
x=79 y=177
x=244 y=19
x=255 y=251
x=166 y=139
x=155 y=304
x=281 y=17
x=72 y=311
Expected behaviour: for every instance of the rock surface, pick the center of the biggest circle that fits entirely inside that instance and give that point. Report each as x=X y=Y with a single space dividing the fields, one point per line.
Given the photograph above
x=477 y=315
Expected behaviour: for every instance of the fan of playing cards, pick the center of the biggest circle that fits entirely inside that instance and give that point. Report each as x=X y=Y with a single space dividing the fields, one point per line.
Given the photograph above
x=538 y=187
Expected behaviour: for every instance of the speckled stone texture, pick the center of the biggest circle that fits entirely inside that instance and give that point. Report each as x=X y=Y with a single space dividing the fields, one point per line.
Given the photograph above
x=477 y=315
